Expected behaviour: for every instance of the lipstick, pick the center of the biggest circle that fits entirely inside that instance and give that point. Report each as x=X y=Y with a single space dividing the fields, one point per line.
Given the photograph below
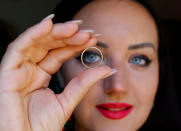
x=114 y=110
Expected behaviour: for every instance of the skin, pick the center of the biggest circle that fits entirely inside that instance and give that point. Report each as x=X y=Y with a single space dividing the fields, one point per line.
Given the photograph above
x=132 y=84
x=26 y=102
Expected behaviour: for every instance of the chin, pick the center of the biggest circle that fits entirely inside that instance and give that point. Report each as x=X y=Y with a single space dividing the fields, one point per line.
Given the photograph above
x=97 y=122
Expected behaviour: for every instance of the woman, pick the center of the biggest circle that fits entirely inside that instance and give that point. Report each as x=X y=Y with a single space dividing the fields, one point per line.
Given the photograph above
x=102 y=98
x=132 y=49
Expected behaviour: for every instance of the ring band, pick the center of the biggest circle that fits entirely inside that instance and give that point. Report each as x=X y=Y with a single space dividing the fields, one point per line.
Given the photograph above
x=85 y=51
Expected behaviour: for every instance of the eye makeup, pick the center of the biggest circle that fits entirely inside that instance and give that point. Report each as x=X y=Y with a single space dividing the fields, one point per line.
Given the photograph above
x=140 y=60
x=91 y=57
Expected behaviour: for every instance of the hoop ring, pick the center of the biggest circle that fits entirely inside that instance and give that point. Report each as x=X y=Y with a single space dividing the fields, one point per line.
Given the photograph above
x=85 y=51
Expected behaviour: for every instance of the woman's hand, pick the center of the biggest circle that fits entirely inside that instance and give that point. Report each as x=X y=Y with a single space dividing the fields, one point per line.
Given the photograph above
x=25 y=71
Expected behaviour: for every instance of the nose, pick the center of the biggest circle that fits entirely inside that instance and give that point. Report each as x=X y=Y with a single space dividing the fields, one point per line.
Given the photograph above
x=116 y=84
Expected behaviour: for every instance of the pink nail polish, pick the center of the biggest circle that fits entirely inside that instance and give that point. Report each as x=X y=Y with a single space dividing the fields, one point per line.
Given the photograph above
x=111 y=73
x=51 y=16
x=88 y=31
x=78 y=22
x=96 y=35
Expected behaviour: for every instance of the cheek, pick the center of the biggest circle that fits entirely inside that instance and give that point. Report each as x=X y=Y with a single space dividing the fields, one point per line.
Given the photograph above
x=145 y=86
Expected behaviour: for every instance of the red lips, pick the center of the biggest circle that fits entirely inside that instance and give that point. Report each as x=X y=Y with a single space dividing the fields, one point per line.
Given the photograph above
x=114 y=110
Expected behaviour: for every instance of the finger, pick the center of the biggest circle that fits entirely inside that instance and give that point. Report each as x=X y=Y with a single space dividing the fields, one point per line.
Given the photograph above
x=60 y=31
x=14 y=54
x=27 y=46
x=38 y=50
x=39 y=80
x=52 y=63
x=32 y=34
x=77 y=39
x=45 y=32
x=80 y=38
x=25 y=79
x=65 y=30
x=78 y=87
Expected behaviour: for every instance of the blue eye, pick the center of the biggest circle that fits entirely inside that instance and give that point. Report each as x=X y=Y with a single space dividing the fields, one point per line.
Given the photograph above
x=90 y=57
x=140 y=60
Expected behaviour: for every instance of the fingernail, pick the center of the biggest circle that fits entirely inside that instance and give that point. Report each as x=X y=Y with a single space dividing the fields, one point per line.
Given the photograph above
x=89 y=31
x=78 y=22
x=96 y=35
x=111 y=73
x=51 y=16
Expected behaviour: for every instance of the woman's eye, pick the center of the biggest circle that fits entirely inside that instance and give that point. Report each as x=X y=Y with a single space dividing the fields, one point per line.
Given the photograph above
x=140 y=60
x=90 y=57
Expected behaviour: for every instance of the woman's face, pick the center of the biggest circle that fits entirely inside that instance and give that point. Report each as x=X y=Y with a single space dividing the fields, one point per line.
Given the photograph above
x=129 y=43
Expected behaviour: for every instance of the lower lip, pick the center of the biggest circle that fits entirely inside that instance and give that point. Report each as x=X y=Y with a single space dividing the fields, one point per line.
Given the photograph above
x=114 y=114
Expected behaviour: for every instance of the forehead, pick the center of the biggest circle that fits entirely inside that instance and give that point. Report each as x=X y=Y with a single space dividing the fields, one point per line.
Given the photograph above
x=119 y=20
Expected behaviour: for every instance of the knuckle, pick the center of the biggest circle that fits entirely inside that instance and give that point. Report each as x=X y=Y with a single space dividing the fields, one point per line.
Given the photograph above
x=54 y=57
x=83 y=38
x=71 y=28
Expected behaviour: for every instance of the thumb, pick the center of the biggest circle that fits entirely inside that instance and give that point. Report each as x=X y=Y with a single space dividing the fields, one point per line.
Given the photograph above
x=78 y=87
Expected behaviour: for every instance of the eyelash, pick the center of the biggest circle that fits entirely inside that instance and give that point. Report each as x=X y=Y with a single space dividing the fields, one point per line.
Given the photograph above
x=138 y=59
x=146 y=61
x=88 y=53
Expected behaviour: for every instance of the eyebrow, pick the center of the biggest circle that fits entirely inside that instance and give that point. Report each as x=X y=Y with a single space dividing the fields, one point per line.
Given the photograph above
x=141 y=45
x=131 y=47
x=101 y=44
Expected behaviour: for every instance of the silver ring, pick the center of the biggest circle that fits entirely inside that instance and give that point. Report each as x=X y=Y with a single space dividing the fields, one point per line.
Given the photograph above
x=85 y=51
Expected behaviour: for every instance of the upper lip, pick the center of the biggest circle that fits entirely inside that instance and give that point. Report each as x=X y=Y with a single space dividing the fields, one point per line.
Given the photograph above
x=114 y=105
x=114 y=110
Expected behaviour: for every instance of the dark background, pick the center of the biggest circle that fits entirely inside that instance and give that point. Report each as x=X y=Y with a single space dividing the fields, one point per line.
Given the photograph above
x=20 y=14
x=17 y=15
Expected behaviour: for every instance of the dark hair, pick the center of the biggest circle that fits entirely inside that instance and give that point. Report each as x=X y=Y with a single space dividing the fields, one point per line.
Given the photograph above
x=162 y=116
x=67 y=9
